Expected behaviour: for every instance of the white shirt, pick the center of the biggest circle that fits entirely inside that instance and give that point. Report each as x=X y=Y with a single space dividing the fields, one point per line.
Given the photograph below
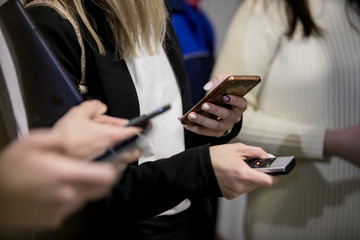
x=156 y=85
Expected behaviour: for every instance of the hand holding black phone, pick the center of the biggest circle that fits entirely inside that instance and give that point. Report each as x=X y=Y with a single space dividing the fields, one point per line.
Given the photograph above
x=143 y=121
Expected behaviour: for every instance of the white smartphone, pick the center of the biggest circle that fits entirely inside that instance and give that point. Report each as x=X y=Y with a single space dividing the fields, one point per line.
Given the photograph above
x=273 y=166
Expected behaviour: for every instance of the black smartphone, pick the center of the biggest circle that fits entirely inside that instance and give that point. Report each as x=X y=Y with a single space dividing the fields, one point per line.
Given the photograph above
x=238 y=85
x=143 y=121
x=273 y=166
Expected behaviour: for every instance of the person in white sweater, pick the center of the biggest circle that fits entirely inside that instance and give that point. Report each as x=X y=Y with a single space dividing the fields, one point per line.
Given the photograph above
x=308 y=105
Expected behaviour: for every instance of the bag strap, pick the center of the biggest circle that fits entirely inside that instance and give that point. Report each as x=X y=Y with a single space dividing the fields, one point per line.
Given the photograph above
x=66 y=15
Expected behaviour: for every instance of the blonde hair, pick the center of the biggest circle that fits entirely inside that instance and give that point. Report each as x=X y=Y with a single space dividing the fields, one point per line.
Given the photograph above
x=134 y=23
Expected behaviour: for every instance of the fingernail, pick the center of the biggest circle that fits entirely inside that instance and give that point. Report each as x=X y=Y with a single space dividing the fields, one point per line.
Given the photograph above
x=270 y=155
x=226 y=99
x=103 y=109
x=208 y=86
x=206 y=107
x=192 y=116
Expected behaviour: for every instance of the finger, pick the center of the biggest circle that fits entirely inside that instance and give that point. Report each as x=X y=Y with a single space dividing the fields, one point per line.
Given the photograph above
x=113 y=135
x=262 y=179
x=215 y=81
x=105 y=119
x=92 y=108
x=207 y=122
x=228 y=116
x=131 y=156
x=42 y=138
x=88 y=109
x=248 y=151
x=201 y=130
x=235 y=101
x=92 y=180
x=125 y=156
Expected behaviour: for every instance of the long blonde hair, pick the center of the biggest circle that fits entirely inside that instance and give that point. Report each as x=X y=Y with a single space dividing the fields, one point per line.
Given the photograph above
x=134 y=23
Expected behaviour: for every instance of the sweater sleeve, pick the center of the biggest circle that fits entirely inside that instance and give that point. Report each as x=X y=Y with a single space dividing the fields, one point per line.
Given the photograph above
x=253 y=40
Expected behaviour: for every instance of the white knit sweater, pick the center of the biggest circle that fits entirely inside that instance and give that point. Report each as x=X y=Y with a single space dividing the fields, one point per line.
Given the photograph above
x=308 y=85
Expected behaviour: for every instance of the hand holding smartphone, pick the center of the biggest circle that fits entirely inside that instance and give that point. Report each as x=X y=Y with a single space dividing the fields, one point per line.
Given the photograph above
x=237 y=85
x=143 y=121
x=272 y=166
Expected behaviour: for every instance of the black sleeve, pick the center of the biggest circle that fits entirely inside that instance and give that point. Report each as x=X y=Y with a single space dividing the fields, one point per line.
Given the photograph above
x=154 y=187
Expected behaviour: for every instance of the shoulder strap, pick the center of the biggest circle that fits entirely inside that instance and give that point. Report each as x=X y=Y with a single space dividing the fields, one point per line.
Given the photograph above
x=66 y=15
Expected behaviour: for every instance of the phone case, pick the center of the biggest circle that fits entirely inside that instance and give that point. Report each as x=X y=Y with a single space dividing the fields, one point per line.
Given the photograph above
x=238 y=85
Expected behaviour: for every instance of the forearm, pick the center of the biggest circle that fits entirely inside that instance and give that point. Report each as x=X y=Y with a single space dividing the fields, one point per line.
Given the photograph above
x=282 y=137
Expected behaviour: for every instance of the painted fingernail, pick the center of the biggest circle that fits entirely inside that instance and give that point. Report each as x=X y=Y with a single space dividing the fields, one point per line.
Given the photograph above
x=192 y=116
x=208 y=86
x=206 y=107
x=226 y=99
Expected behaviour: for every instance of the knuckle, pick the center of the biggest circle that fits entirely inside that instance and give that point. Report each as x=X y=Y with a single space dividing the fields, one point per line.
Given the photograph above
x=66 y=196
x=268 y=183
x=217 y=125
x=226 y=114
x=239 y=145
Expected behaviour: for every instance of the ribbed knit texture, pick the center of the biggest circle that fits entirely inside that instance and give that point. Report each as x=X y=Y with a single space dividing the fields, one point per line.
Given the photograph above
x=309 y=85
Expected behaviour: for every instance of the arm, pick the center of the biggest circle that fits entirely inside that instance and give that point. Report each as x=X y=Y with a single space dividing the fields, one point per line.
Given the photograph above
x=153 y=187
x=343 y=143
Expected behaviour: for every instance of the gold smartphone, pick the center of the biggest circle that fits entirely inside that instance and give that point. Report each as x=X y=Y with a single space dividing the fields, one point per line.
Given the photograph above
x=238 y=85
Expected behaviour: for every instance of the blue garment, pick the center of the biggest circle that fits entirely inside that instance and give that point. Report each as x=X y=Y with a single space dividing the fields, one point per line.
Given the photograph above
x=196 y=37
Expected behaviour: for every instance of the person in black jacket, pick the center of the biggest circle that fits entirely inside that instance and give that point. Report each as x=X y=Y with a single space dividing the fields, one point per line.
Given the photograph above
x=134 y=64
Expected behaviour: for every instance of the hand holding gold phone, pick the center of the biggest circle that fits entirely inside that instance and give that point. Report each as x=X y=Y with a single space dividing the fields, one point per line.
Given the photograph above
x=237 y=85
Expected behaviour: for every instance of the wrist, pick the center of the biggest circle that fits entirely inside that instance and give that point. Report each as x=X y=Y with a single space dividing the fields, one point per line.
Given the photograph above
x=332 y=143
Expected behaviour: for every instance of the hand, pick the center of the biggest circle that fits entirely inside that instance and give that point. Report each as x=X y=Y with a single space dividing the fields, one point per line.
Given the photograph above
x=226 y=117
x=40 y=185
x=234 y=176
x=86 y=133
x=344 y=143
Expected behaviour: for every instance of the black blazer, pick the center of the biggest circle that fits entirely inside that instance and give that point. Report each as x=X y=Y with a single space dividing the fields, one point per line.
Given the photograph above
x=148 y=189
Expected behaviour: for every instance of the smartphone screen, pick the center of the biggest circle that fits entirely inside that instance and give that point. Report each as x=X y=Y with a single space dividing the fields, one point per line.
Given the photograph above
x=238 y=85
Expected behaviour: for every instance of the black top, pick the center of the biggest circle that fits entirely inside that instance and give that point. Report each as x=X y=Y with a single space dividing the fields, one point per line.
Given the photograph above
x=150 y=188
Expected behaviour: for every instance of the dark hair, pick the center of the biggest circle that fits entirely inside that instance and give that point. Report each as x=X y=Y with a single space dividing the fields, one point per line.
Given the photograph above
x=298 y=10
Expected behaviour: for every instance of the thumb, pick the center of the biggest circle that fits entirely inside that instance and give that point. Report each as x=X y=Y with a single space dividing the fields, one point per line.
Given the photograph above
x=215 y=81
x=92 y=108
